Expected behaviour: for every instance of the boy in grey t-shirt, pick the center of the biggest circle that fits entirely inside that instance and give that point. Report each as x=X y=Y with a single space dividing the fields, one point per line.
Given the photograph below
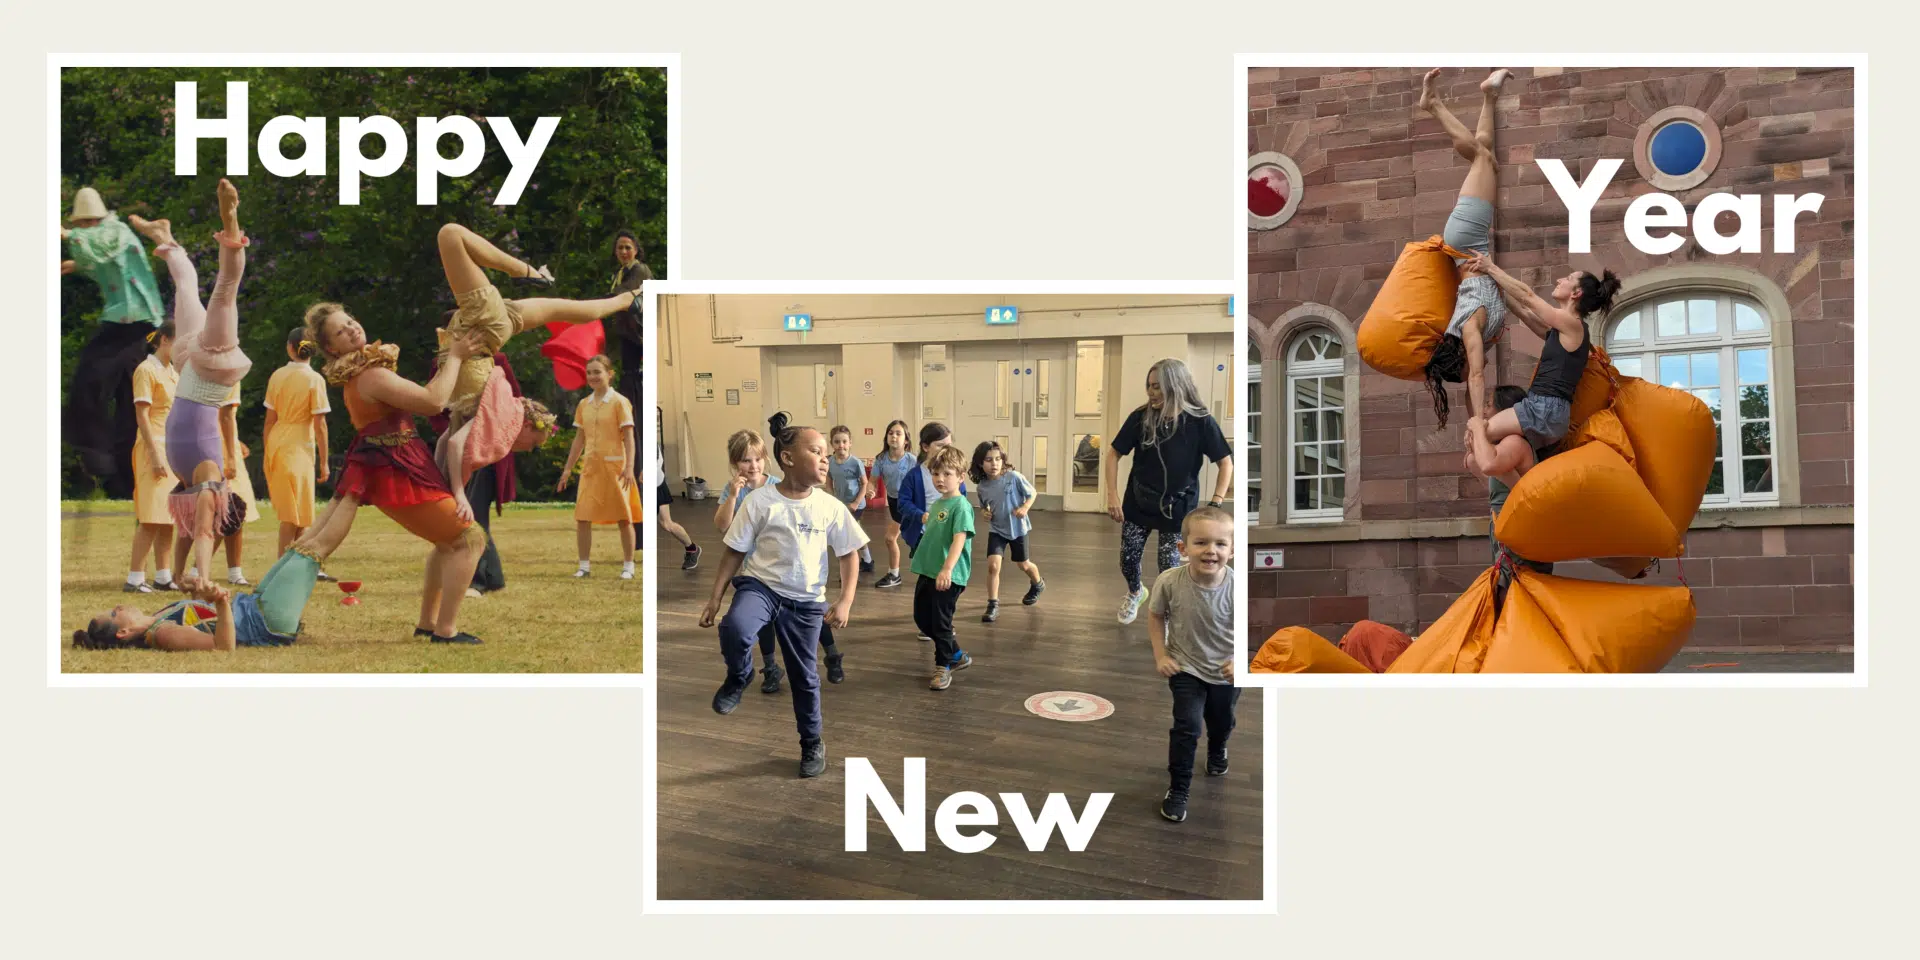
x=1190 y=621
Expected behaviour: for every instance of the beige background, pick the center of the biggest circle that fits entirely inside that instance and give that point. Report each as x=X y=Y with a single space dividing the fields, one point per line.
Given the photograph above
x=1015 y=143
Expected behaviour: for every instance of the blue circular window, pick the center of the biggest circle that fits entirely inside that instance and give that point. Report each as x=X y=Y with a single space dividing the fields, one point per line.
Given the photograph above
x=1677 y=148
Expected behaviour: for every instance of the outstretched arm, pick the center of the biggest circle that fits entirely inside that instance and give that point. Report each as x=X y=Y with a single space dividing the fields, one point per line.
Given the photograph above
x=1476 y=364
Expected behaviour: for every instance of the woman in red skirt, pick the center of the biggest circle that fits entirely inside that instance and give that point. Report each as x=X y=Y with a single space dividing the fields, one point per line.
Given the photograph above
x=389 y=467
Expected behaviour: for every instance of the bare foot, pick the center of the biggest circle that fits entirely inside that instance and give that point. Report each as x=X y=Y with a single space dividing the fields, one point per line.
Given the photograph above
x=1491 y=85
x=1426 y=88
x=158 y=232
x=229 y=210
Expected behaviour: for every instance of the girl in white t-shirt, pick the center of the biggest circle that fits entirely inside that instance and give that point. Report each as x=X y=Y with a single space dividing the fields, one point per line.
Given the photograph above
x=778 y=543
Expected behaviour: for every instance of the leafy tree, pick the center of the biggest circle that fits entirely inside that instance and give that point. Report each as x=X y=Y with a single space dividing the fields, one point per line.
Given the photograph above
x=605 y=169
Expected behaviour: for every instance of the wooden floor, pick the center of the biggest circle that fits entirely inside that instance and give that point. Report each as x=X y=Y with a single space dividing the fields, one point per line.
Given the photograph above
x=736 y=822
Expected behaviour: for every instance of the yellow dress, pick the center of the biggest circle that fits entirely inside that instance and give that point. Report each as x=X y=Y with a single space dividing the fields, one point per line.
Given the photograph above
x=242 y=479
x=153 y=384
x=296 y=394
x=605 y=496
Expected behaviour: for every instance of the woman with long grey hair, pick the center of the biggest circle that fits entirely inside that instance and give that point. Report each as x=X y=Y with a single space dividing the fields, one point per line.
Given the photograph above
x=1171 y=437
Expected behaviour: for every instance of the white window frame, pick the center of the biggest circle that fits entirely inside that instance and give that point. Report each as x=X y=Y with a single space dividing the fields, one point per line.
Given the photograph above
x=1255 y=412
x=1727 y=342
x=1296 y=370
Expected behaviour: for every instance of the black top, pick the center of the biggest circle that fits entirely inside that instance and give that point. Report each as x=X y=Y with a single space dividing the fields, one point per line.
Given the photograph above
x=1164 y=484
x=1559 y=371
x=625 y=324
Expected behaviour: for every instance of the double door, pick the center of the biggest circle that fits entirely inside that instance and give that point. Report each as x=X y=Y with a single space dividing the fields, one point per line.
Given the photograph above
x=1042 y=401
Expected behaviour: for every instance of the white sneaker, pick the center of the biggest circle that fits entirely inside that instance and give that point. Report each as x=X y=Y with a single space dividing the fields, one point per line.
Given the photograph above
x=626 y=574
x=1130 y=607
x=240 y=581
x=577 y=573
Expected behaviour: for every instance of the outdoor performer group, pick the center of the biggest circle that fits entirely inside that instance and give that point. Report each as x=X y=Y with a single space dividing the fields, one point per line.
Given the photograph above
x=153 y=414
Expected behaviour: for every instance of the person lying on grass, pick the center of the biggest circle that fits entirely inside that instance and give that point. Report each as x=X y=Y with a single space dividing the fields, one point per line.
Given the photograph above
x=211 y=619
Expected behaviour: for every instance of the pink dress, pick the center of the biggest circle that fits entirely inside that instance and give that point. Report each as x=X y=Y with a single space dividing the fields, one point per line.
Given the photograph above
x=497 y=420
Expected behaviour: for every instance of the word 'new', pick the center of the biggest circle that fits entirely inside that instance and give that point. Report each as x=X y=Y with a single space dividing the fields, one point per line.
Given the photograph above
x=523 y=154
x=965 y=809
x=1652 y=210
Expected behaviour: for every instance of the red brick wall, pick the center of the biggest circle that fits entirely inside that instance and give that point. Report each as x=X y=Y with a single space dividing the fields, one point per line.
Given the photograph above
x=1378 y=173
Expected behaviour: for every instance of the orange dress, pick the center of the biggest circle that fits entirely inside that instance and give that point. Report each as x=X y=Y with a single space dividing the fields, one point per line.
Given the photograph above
x=605 y=495
x=388 y=465
x=153 y=384
x=296 y=395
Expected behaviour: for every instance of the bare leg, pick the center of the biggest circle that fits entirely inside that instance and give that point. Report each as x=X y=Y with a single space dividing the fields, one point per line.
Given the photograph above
x=288 y=534
x=1032 y=570
x=222 y=330
x=327 y=533
x=583 y=535
x=430 y=591
x=539 y=310
x=993 y=576
x=452 y=457
x=180 y=547
x=162 y=544
x=893 y=545
x=1504 y=424
x=143 y=542
x=1482 y=180
x=466 y=256
x=673 y=529
x=236 y=548
x=455 y=575
x=626 y=541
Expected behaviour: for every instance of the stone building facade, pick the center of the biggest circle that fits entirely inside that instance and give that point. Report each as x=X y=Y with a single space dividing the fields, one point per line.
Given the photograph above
x=1366 y=501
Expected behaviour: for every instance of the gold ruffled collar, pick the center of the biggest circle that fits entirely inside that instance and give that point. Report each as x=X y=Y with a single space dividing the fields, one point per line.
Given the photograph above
x=341 y=370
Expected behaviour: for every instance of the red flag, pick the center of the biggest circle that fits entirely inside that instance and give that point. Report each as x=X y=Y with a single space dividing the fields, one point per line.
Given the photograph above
x=571 y=346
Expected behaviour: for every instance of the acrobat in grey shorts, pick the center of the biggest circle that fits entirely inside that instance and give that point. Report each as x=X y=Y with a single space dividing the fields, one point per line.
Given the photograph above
x=1470 y=226
x=1543 y=419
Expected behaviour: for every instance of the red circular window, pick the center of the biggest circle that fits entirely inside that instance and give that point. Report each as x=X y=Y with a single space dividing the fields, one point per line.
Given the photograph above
x=1267 y=191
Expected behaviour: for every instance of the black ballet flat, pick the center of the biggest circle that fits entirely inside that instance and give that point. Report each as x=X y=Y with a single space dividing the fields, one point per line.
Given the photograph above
x=539 y=279
x=466 y=638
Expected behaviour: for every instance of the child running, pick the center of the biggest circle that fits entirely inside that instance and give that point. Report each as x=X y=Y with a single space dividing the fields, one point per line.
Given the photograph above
x=604 y=446
x=945 y=565
x=154 y=381
x=747 y=453
x=1190 y=621
x=1005 y=497
x=891 y=468
x=779 y=542
x=849 y=482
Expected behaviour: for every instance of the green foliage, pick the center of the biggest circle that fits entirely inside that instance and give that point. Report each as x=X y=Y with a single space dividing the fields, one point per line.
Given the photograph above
x=605 y=169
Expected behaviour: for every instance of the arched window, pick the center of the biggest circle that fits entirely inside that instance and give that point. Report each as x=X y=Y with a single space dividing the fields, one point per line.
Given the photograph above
x=1316 y=426
x=1253 y=475
x=1718 y=347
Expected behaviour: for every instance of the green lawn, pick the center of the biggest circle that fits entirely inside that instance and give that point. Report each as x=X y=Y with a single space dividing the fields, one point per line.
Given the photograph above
x=544 y=622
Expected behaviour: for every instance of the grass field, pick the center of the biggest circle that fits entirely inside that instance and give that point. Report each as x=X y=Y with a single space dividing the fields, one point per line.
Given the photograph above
x=544 y=622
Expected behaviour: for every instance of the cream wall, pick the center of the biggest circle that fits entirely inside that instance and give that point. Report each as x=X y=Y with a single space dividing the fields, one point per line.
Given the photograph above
x=878 y=339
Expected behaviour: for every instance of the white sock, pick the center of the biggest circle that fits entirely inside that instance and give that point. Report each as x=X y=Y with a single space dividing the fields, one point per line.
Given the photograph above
x=586 y=564
x=894 y=571
x=163 y=576
x=626 y=567
x=193 y=573
x=235 y=573
x=136 y=577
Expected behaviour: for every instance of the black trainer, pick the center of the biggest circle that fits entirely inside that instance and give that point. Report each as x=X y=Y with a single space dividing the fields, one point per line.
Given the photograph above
x=866 y=566
x=1173 y=806
x=835 y=673
x=1033 y=593
x=770 y=678
x=813 y=758
x=892 y=579
x=692 y=558
x=1217 y=765
x=419 y=632
x=728 y=697
x=456 y=638
x=993 y=612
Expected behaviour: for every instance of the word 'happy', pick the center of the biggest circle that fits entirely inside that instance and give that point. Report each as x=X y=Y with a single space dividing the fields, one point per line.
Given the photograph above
x=522 y=154
x=964 y=809
x=1653 y=210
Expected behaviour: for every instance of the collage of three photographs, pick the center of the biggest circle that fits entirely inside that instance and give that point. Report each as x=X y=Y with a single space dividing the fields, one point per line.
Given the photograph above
x=1531 y=370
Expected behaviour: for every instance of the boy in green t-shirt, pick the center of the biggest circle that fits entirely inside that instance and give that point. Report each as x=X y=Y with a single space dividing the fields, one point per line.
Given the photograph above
x=945 y=567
